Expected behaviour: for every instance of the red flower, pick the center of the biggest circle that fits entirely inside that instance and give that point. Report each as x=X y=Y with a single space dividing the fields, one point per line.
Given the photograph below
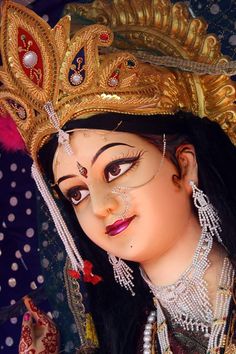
x=88 y=275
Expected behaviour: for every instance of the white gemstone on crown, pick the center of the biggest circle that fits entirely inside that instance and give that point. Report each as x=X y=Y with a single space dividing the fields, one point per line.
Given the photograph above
x=76 y=79
x=30 y=59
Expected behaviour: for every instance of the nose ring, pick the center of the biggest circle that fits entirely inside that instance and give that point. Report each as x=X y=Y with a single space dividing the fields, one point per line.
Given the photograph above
x=122 y=193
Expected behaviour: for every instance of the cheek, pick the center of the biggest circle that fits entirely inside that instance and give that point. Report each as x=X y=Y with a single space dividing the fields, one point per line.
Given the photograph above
x=92 y=227
x=164 y=214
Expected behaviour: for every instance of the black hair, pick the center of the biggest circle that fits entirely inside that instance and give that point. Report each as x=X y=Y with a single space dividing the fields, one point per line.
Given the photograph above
x=118 y=316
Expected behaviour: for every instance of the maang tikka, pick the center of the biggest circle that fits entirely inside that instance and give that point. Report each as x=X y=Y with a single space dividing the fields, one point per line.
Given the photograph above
x=63 y=137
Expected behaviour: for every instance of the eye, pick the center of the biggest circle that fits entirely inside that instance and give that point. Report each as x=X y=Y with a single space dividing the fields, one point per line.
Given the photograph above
x=117 y=169
x=76 y=195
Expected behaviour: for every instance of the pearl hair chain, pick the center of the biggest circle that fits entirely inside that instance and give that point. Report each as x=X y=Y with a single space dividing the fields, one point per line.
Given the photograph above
x=67 y=239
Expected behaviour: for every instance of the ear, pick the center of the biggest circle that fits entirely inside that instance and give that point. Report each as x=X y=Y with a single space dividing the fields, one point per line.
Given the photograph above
x=186 y=157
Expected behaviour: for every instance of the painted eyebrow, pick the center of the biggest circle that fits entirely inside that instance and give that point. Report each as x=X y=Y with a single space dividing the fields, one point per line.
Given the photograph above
x=98 y=153
x=63 y=178
x=105 y=147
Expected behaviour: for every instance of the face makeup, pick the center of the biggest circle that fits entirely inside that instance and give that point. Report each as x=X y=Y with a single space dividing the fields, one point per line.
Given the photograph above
x=124 y=168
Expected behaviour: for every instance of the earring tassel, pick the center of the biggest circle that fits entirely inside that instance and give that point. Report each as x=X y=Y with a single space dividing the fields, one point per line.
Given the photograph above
x=122 y=273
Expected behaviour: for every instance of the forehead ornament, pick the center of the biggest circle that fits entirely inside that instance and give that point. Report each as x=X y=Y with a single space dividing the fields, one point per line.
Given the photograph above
x=63 y=137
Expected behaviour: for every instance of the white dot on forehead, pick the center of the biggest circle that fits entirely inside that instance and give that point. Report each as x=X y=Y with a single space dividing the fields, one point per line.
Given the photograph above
x=1 y=174
x=13 y=184
x=13 y=167
x=1 y=236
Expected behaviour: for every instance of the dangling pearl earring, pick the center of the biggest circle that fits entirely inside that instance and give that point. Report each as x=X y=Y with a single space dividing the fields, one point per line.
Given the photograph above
x=208 y=216
x=122 y=273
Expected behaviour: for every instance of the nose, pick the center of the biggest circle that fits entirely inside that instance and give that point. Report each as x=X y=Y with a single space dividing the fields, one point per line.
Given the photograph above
x=103 y=201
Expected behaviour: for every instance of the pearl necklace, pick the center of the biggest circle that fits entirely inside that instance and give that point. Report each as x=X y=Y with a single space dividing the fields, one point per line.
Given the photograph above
x=187 y=300
x=216 y=339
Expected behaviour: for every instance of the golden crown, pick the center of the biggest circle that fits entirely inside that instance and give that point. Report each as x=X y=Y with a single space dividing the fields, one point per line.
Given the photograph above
x=43 y=64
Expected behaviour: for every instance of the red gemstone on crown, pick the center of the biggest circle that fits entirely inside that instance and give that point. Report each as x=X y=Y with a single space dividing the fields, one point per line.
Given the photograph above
x=104 y=37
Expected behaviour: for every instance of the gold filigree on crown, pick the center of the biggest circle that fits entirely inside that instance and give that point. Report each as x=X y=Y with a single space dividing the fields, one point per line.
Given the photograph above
x=42 y=64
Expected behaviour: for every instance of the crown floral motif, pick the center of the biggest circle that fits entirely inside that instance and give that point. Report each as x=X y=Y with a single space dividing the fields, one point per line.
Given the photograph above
x=43 y=64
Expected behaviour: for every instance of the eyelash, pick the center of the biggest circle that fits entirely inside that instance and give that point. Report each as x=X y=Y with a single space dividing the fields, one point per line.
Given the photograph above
x=134 y=160
x=73 y=190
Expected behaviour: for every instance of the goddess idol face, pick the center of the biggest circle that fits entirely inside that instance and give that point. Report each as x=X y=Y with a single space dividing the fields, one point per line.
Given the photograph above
x=127 y=202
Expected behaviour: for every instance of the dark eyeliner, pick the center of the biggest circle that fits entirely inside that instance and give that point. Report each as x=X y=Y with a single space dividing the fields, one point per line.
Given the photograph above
x=71 y=190
x=122 y=161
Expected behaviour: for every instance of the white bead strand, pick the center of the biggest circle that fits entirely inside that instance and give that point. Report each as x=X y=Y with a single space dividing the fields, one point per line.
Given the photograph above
x=67 y=239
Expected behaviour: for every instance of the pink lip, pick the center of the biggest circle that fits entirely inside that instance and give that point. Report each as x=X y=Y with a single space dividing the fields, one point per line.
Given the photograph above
x=118 y=226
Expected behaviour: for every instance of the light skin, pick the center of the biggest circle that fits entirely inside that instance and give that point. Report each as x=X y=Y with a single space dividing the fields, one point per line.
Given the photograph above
x=164 y=232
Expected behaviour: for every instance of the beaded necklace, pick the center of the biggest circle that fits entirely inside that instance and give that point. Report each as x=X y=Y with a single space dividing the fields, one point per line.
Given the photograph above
x=187 y=300
x=217 y=330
